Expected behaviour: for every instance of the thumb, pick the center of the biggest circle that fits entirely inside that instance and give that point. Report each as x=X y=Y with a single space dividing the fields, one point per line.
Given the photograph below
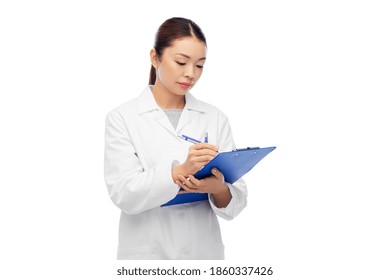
x=217 y=173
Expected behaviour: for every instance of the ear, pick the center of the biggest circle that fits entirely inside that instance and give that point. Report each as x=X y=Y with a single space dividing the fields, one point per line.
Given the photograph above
x=154 y=58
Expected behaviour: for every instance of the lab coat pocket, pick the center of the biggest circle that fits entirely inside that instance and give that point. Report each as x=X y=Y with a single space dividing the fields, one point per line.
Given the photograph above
x=136 y=253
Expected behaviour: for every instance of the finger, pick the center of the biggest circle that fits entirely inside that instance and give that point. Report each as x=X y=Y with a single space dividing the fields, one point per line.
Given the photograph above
x=201 y=146
x=194 y=181
x=203 y=159
x=203 y=152
x=185 y=187
x=185 y=182
x=182 y=191
x=218 y=174
x=198 y=185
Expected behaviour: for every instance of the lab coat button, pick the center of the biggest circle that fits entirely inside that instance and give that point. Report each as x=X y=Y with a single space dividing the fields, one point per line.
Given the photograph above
x=185 y=251
x=181 y=215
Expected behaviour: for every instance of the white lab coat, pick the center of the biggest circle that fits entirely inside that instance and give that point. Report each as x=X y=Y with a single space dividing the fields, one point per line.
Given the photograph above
x=141 y=147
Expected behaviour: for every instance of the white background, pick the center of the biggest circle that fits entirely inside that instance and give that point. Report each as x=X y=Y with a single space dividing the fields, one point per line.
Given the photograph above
x=310 y=77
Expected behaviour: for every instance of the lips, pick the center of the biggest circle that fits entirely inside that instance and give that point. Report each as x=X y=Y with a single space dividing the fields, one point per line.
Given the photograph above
x=185 y=85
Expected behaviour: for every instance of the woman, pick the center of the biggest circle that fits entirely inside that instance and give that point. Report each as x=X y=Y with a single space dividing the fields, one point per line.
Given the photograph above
x=146 y=162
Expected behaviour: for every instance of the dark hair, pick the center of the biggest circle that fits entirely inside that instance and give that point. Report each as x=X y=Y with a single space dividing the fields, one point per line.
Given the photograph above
x=172 y=29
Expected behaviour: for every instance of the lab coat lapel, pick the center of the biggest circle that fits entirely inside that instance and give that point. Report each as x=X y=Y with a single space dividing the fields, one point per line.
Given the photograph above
x=193 y=106
x=147 y=105
x=163 y=120
x=184 y=120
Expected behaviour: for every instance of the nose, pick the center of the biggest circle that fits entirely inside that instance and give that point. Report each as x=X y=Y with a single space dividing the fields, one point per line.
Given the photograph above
x=189 y=72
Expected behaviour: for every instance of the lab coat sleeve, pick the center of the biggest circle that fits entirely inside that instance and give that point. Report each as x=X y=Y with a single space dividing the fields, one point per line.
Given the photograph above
x=238 y=189
x=130 y=187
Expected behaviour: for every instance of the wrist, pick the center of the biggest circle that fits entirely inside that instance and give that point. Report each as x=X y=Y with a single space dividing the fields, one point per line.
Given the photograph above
x=222 y=198
x=179 y=170
x=222 y=190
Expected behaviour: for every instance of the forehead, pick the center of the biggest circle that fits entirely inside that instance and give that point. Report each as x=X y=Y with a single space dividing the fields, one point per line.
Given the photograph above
x=190 y=46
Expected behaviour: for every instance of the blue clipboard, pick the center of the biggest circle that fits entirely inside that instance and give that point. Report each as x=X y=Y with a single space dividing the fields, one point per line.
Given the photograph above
x=233 y=166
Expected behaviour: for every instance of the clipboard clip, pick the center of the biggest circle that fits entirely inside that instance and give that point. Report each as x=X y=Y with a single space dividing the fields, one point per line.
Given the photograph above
x=244 y=149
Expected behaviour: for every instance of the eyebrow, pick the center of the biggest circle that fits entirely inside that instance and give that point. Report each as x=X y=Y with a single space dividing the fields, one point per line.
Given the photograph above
x=187 y=56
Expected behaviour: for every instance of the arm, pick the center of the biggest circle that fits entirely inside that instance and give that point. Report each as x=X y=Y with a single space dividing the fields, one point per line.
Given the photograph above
x=131 y=187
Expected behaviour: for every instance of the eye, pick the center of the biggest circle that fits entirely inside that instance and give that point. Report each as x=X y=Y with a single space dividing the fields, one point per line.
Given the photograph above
x=180 y=63
x=199 y=66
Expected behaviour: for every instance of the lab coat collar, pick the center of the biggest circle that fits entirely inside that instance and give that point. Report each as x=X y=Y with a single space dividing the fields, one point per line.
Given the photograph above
x=147 y=103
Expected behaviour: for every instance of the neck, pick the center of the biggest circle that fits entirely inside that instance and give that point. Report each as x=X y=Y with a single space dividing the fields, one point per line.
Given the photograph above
x=166 y=99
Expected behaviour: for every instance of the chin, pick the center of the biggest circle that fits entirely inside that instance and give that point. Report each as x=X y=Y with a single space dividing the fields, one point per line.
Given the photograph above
x=181 y=92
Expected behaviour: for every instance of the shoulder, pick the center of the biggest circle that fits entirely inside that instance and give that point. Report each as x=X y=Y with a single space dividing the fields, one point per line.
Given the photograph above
x=129 y=107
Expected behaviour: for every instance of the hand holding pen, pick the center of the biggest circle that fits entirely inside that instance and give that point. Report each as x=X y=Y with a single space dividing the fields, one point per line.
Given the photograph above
x=199 y=155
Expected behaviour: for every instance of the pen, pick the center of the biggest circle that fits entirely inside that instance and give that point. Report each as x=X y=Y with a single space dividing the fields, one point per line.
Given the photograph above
x=190 y=139
x=206 y=137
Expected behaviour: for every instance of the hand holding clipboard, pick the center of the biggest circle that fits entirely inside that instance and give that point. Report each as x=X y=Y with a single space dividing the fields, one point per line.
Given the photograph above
x=233 y=165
